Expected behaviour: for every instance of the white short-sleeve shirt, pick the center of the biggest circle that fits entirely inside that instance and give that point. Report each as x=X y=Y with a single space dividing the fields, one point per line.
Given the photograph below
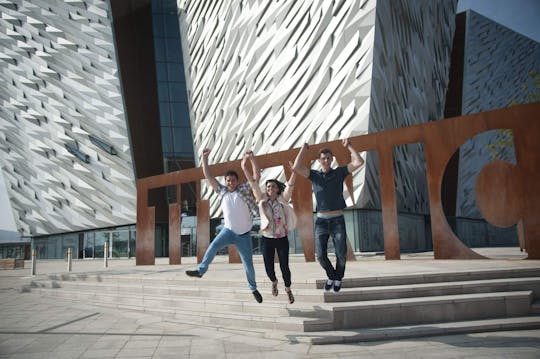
x=236 y=213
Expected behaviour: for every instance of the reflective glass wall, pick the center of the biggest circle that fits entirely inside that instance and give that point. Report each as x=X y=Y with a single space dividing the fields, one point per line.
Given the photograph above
x=90 y=244
x=15 y=250
x=176 y=136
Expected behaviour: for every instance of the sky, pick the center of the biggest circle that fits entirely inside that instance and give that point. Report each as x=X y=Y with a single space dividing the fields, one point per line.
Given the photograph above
x=519 y=15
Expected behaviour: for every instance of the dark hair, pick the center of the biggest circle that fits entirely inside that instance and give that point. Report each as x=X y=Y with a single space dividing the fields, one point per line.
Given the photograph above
x=324 y=151
x=231 y=173
x=280 y=185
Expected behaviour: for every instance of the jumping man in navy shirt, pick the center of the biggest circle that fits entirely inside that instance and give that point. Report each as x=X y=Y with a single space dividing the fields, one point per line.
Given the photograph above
x=327 y=184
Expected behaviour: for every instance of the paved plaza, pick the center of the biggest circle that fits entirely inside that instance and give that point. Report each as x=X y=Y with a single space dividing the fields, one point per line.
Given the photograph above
x=34 y=326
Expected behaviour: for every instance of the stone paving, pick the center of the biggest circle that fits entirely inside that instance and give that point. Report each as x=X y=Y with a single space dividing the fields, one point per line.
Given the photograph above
x=41 y=327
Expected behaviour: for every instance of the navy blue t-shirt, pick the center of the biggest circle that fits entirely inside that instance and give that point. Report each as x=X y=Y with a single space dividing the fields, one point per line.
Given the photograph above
x=328 y=188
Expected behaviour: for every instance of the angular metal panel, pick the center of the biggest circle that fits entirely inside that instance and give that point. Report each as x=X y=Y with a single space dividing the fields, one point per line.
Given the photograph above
x=64 y=146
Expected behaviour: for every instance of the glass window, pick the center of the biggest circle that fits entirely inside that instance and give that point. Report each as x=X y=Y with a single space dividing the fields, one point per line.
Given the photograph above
x=183 y=96
x=176 y=72
x=183 y=142
x=120 y=246
x=166 y=139
x=170 y=71
x=164 y=114
x=173 y=52
x=132 y=242
x=157 y=25
x=40 y=245
x=163 y=91
x=172 y=28
x=156 y=6
x=99 y=243
x=159 y=50
x=169 y=6
x=171 y=190
x=70 y=241
x=177 y=91
x=179 y=114
x=161 y=71
x=88 y=245
x=54 y=247
x=161 y=240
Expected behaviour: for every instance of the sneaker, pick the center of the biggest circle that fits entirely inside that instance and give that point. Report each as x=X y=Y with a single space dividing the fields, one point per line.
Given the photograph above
x=274 y=289
x=337 y=286
x=291 y=296
x=194 y=273
x=257 y=295
x=329 y=284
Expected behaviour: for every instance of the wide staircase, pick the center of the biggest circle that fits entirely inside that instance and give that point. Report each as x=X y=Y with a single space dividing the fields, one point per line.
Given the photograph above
x=367 y=308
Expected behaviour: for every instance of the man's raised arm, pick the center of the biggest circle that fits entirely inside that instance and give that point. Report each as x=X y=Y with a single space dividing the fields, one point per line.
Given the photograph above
x=356 y=159
x=298 y=167
x=206 y=170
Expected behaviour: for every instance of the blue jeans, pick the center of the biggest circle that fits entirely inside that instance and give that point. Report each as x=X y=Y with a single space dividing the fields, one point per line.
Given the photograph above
x=335 y=227
x=242 y=242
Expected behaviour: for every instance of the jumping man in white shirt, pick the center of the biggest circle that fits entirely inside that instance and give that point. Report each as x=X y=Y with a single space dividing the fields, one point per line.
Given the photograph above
x=239 y=207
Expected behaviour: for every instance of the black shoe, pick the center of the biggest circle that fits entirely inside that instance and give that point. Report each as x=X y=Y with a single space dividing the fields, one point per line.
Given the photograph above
x=194 y=273
x=329 y=284
x=337 y=285
x=257 y=295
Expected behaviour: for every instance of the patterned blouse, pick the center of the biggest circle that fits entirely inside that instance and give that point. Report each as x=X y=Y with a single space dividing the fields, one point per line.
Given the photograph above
x=278 y=225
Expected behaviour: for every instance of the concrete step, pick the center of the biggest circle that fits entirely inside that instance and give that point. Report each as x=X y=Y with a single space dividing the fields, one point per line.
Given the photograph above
x=367 y=302
x=228 y=291
x=451 y=308
x=434 y=289
x=245 y=304
x=411 y=331
x=535 y=307
x=217 y=313
x=188 y=290
x=443 y=277
x=178 y=277
x=338 y=315
x=167 y=279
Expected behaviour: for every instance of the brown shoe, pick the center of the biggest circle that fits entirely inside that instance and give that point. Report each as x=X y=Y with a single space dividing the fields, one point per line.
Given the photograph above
x=291 y=296
x=274 y=288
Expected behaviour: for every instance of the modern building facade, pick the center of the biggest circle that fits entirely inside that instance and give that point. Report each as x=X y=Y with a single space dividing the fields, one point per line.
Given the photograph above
x=65 y=148
x=270 y=76
x=66 y=153
x=100 y=93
